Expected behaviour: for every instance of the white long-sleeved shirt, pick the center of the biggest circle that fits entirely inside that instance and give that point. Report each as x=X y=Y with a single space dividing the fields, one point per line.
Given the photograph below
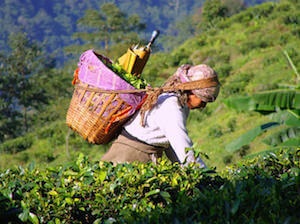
x=165 y=126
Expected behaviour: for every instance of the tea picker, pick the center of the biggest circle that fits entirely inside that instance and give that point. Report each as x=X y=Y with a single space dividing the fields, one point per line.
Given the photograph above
x=104 y=97
x=160 y=125
x=105 y=106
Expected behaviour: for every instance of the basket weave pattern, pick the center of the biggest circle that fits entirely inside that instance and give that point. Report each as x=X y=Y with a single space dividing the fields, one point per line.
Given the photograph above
x=97 y=117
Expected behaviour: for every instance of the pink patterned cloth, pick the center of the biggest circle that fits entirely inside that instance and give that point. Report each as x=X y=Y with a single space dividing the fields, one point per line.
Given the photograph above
x=188 y=73
x=94 y=72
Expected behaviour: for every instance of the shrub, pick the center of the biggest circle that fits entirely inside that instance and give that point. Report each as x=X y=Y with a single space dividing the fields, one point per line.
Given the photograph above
x=237 y=85
x=224 y=70
x=84 y=192
x=17 y=145
x=215 y=131
x=181 y=56
x=254 y=44
x=231 y=125
x=56 y=133
x=292 y=19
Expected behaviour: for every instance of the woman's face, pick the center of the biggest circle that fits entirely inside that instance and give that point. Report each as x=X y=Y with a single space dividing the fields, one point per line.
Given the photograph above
x=195 y=102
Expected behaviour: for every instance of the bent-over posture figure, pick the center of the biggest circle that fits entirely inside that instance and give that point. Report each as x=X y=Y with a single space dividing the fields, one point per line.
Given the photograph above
x=163 y=127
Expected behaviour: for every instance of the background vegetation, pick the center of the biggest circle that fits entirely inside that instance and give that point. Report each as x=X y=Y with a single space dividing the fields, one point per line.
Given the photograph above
x=254 y=122
x=253 y=49
x=54 y=23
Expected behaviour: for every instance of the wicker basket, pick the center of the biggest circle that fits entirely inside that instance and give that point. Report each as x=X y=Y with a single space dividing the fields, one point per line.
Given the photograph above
x=98 y=116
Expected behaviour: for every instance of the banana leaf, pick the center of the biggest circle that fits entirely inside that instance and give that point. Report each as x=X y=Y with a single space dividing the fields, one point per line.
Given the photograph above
x=284 y=99
x=291 y=142
x=288 y=137
x=287 y=117
x=268 y=101
x=284 y=106
x=249 y=136
x=243 y=103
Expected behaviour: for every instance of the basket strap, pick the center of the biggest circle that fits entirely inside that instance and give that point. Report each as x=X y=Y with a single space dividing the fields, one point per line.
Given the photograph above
x=198 y=84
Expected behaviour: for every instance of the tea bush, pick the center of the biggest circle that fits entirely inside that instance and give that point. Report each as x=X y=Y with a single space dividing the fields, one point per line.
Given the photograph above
x=17 y=145
x=263 y=189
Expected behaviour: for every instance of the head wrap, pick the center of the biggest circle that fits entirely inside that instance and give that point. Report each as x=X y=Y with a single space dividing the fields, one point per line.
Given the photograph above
x=188 y=73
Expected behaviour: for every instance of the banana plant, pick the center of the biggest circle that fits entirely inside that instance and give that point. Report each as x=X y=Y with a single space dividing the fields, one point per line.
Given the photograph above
x=283 y=106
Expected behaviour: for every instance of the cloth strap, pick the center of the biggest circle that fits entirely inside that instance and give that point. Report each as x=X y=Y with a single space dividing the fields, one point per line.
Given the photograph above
x=198 y=84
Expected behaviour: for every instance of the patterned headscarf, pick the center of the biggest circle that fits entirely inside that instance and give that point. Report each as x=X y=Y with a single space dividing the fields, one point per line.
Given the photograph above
x=187 y=73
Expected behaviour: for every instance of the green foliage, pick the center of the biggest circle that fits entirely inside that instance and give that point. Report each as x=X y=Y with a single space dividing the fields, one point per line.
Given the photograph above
x=22 y=72
x=216 y=131
x=249 y=136
x=181 y=56
x=243 y=71
x=268 y=101
x=237 y=84
x=213 y=10
x=251 y=45
x=17 y=144
x=136 y=81
x=292 y=63
x=84 y=192
x=289 y=136
x=156 y=65
x=54 y=22
x=54 y=133
x=231 y=125
x=107 y=26
x=255 y=13
x=288 y=117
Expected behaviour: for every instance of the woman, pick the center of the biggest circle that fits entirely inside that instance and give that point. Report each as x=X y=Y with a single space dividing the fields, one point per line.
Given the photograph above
x=163 y=127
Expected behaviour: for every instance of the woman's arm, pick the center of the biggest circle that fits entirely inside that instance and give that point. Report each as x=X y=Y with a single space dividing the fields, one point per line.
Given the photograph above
x=171 y=118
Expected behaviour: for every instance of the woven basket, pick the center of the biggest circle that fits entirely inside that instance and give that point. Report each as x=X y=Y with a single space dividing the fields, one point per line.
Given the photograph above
x=99 y=116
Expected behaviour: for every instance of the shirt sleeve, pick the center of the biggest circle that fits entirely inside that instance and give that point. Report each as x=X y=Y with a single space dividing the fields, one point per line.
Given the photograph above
x=171 y=118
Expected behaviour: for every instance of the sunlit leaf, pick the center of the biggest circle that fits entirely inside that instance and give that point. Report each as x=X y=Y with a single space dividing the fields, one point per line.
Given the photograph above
x=156 y=191
x=249 y=136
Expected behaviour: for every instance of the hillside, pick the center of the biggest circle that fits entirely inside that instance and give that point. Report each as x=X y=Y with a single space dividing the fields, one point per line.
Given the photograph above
x=248 y=50
x=53 y=23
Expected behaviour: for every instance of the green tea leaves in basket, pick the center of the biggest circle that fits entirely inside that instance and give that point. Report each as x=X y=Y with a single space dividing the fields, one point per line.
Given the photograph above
x=136 y=81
